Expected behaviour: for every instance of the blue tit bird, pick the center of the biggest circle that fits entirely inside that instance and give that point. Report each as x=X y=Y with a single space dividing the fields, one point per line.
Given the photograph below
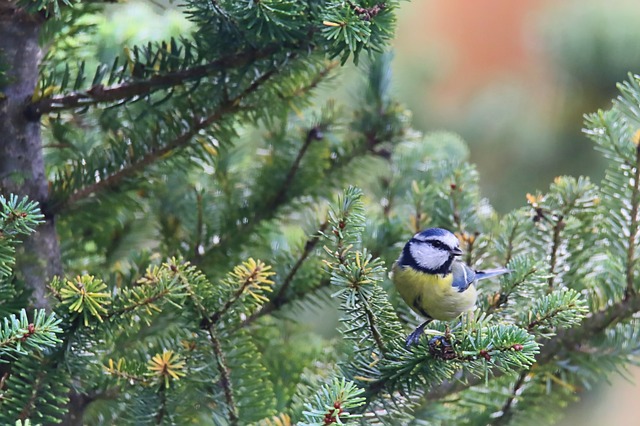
x=433 y=282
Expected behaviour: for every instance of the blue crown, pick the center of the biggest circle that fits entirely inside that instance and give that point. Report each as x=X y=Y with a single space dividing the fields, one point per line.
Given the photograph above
x=434 y=232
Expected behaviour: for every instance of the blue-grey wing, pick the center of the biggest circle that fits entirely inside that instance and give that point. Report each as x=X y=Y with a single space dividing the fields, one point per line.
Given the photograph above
x=488 y=273
x=463 y=276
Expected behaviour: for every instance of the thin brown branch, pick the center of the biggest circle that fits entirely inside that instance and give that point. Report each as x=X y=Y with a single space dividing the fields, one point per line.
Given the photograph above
x=280 y=297
x=317 y=79
x=150 y=158
x=314 y=134
x=215 y=317
x=271 y=207
x=270 y=307
x=162 y=412
x=197 y=245
x=225 y=377
x=555 y=246
x=209 y=325
x=503 y=297
x=512 y=237
x=633 y=229
x=27 y=410
x=539 y=321
x=506 y=410
x=137 y=88
x=136 y=305
x=371 y=322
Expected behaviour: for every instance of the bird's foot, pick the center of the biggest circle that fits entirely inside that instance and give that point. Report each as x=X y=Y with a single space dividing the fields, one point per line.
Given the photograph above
x=414 y=337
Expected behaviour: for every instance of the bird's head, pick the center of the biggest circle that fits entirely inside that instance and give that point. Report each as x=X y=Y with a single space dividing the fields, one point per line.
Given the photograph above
x=432 y=251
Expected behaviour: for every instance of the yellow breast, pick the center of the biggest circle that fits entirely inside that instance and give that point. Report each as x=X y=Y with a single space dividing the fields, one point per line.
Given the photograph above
x=432 y=295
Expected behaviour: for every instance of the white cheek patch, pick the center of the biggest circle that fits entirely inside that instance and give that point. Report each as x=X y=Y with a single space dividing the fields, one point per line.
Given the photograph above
x=428 y=257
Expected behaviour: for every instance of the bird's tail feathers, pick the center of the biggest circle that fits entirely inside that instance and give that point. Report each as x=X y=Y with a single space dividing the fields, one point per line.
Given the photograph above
x=488 y=273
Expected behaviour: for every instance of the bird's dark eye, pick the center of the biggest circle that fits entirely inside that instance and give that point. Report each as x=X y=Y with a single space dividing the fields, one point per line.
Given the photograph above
x=438 y=244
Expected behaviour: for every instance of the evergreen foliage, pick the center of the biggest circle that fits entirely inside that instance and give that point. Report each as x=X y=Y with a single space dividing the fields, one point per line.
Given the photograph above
x=198 y=196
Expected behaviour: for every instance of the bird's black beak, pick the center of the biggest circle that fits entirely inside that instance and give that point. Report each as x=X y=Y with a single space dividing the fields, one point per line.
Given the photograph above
x=457 y=252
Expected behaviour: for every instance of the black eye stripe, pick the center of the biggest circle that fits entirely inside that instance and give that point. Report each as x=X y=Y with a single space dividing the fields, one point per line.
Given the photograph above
x=434 y=243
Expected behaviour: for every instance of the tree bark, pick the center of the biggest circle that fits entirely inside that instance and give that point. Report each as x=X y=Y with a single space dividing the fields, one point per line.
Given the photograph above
x=21 y=159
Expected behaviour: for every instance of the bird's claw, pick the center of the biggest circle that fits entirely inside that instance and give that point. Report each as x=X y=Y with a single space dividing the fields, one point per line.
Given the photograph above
x=414 y=337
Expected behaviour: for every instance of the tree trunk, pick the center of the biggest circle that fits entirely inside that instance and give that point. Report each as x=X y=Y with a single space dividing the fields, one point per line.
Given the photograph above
x=21 y=159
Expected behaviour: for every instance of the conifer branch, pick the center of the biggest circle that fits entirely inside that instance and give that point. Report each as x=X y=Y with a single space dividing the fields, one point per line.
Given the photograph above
x=162 y=412
x=27 y=409
x=280 y=297
x=131 y=378
x=540 y=320
x=590 y=327
x=272 y=307
x=225 y=376
x=197 y=244
x=555 y=246
x=279 y=199
x=511 y=239
x=367 y=13
x=253 y=276
x=566 y=339
x=506 y=410
x=138 y=88
x=269 y=212
x=152 y=157
x=314 y=134
x=503 y=297
x=137 y=304
x=317 y=79
x=309 y=246
x=633 y=228
x=371 y=322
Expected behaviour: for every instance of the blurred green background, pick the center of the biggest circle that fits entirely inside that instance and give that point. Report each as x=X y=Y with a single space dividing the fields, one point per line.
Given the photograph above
x=513 y=78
